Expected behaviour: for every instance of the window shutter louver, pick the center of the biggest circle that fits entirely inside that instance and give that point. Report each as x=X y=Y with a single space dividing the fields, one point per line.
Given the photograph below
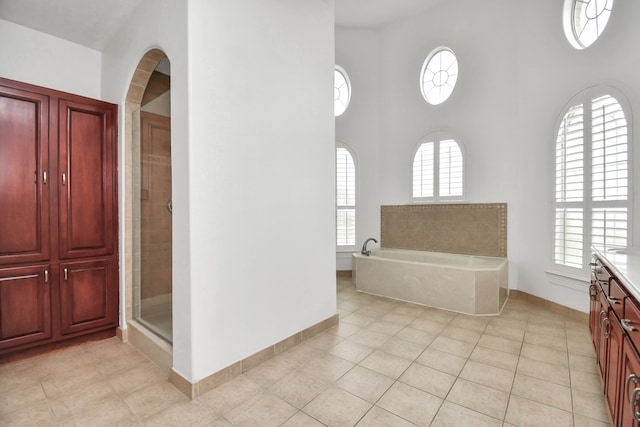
x=345 y=198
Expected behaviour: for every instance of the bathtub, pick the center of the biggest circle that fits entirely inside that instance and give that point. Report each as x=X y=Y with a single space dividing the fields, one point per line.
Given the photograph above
x=462 y=283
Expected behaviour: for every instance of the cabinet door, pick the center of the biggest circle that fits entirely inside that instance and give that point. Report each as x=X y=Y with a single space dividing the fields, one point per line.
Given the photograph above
x=594 y=312
x=614 y=345
x=629 y=397
x=88 y=295
x=24 y=195
x=87 y=178
x=25 y=305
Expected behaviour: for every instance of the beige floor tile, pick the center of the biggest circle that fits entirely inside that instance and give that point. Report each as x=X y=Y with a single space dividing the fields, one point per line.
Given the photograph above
x=409 y=309
x=473 y=323
x=541 y=391
x=452 y=346
x=21 y=397
x=479 y=398
x=220 y=422
x=230 y=394
x=398 y=318
x=416 y=336
x=579 y=335
x=386 y=328
x=545 y=354
x=365 y=383
x=270 y=371
x=193 y=413
x=300 y=354
x=386 y=364
x=16 y=375
x=452 y=415
x=553 y=329
x=108 y=413
x=527 y=413
x=502 y=322
x=440 y=316
x=578 y=362
x=544 y=371
x=588 y=382
x=378 y=417
x=410 y=403
x=263 y=410
x=326 y=367
x=490 y=376
x=428 y=379
x=460 y=334
x=369 y=338
x=136 y=378
x=507 y=332
x=496 y=358
x=336 y=407
x=545 y=340
x=351 y=351
x=33 y=414
x=402 y=348
x=300 y=419
x=590 y=405
x=427 y=325
x=499 y=343
x=580 y=348
x=581 y=421
x=441 y=361
x=81 y=400
x=357 y=319
x=58 y=384
x=298 y=389
x=324 y=341
x=347 y=306
x=343 y=329
x=154 y=398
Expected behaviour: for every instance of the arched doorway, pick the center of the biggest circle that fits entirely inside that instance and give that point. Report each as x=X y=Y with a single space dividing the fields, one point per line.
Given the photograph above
x=148 y=208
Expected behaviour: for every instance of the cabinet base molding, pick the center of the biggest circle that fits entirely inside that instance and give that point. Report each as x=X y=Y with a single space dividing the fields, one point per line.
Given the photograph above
x=47 y=348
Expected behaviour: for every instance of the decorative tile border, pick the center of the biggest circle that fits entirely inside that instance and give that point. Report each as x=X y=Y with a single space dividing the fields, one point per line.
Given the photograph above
x=470 y=229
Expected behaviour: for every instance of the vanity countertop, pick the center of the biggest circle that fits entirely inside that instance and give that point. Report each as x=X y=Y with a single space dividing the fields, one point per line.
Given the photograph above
x=625 y=264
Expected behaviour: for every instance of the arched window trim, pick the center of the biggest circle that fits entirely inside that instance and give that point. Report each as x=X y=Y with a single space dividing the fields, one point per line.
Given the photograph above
x=437 y=137
x=349 y=248
x=344 y=74
x=585 y=97
x=568 y=23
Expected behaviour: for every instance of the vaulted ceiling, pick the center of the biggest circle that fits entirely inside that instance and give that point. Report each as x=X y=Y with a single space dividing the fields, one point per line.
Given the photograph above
x=92 y=23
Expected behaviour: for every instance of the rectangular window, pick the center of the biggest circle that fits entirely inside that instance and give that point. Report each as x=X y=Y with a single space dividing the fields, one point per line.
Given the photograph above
x=345 y=198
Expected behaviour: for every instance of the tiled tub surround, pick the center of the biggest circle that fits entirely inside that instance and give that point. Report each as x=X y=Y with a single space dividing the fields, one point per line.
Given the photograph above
x=461 y=283
x=386 y=363
x=471 y=229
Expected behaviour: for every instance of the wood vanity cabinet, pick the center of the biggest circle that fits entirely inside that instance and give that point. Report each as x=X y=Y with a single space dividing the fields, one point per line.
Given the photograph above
x=58 y=216
x=614 y=319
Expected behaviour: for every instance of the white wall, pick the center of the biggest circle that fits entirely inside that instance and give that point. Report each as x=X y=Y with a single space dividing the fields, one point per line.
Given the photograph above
x=43 y=60
x=261 y=167
x=515 y=77
x=358 y=52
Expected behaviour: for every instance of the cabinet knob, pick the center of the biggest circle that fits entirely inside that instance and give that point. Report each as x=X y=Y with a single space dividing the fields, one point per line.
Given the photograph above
x=65 y=274
x=631 y=378
x=46 y=276
x=64 y=178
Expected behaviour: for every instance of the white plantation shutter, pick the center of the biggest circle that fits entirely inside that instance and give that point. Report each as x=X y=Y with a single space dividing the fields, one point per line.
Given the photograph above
x=345 y=198
x=438 y=171
x=451 y=169
x=592 y=204
x=423 y=169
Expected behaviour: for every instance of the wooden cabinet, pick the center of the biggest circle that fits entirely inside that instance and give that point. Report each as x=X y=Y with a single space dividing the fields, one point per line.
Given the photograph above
x=614 y=321
x=58 y=221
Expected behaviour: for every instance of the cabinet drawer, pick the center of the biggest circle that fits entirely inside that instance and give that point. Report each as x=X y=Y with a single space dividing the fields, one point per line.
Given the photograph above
x=631 y=322
x=617 y=297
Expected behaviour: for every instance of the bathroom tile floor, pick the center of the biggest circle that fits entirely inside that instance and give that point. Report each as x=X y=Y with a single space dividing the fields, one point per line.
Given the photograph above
x=387 y=363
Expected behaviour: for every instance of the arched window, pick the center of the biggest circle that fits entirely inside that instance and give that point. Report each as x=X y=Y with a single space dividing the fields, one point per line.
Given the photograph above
x=345 y=198
x=341 y=91
x=592 y=186
x=585 y=20
x=439 y=75
x=438 y=169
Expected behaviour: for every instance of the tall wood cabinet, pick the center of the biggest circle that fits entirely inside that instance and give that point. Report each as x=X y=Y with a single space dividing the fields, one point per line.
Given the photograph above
x=58 y=217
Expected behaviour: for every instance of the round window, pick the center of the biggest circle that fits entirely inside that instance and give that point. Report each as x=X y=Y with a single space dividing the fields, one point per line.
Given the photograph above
x=585 y=20
x=341 y=91
x=439 y=75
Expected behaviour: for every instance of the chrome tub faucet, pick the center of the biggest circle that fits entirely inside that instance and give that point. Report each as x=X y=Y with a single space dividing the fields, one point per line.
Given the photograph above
x=364 y=250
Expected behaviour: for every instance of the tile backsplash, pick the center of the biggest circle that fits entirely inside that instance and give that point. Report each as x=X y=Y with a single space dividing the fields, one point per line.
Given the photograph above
x=470 y=229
